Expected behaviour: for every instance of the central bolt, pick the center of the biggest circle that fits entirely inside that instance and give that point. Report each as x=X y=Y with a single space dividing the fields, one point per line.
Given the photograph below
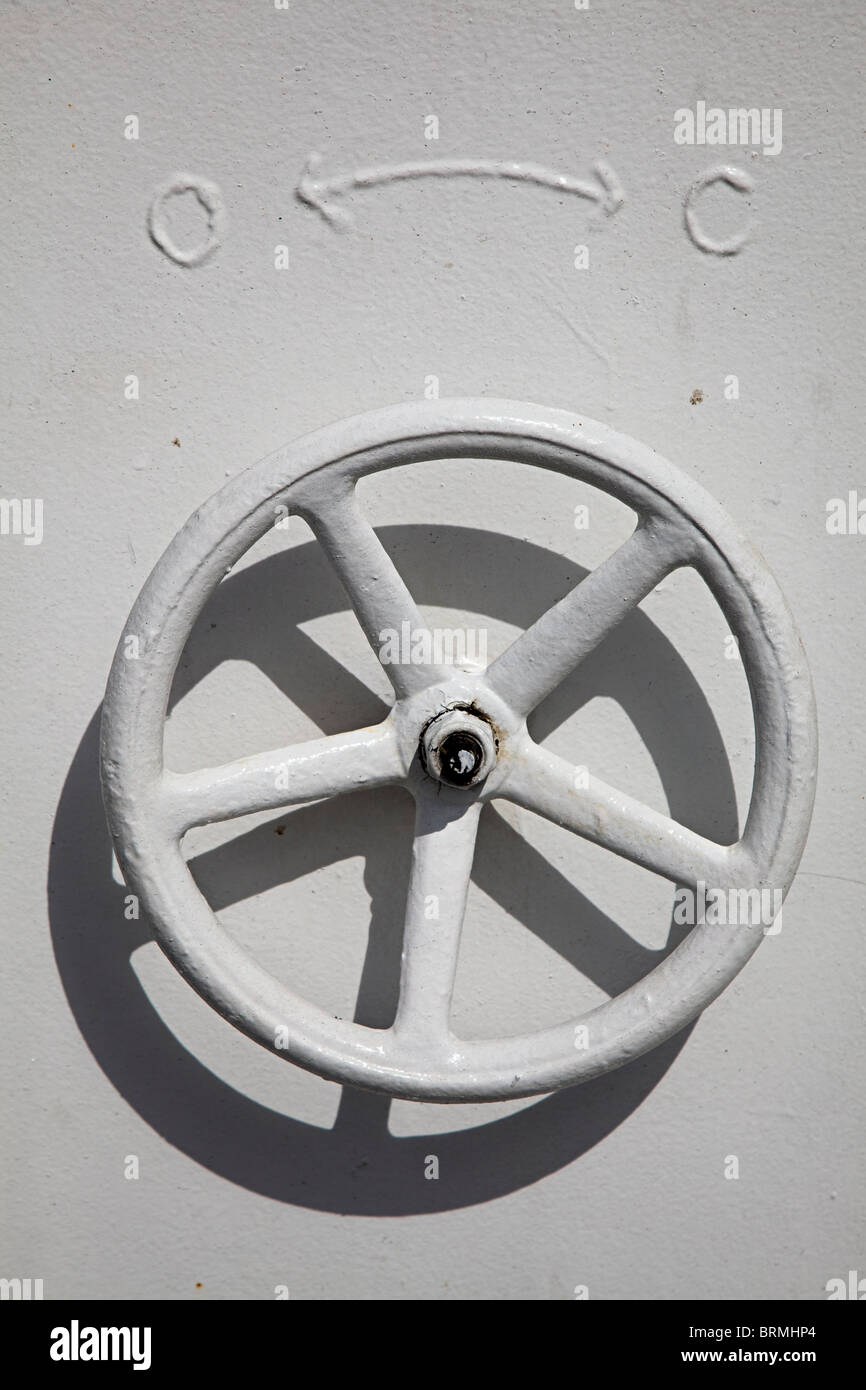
x=458 y=748
x=460 y=756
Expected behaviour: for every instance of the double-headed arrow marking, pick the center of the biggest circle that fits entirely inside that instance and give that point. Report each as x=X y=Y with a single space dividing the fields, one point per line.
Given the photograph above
x=325 y=195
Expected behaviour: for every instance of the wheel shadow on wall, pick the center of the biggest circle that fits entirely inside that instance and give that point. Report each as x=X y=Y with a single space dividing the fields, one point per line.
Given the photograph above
x=358 y=1166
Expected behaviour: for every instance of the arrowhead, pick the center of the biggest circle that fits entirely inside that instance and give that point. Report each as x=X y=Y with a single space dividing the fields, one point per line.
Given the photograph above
x=612 y=196
x=314 y=192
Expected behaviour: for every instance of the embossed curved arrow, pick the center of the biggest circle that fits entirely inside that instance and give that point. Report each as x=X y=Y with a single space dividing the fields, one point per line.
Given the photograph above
x=325 y=195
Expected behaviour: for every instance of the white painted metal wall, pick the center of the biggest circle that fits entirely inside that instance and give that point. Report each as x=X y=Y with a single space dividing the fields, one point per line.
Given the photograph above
x=152 y=1151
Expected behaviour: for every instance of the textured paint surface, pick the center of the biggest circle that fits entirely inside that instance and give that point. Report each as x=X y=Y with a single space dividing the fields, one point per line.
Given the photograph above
x=134 y=387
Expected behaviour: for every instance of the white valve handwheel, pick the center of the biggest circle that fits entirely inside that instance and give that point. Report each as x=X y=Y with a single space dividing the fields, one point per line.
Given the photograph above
x=456 y=739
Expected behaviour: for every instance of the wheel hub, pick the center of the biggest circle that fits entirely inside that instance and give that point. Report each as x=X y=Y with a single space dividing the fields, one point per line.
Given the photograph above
x=458 y=747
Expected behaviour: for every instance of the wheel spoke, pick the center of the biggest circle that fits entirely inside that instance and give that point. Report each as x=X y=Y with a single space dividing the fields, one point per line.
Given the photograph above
x=385 y=608
x=542 y=782
x=538 y=660
x=445 y=831
x=324 y=767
